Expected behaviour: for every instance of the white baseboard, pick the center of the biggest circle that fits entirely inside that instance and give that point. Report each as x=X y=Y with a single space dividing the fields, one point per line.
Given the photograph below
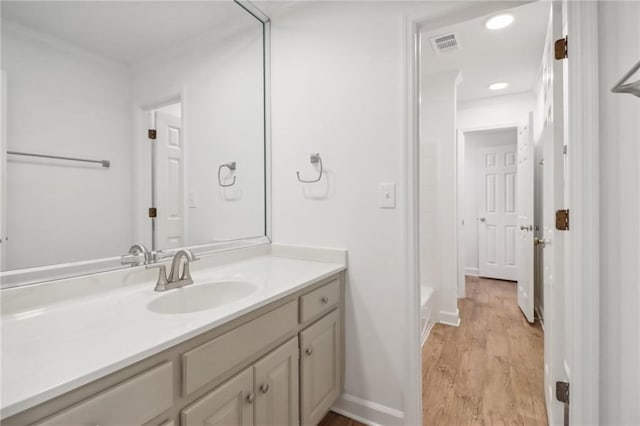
x=426 y=333
x=450 y=318
x=367 y=412
x=472 y=272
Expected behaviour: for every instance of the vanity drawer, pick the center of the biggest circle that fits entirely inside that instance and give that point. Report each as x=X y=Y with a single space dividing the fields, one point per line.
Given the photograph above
x=320 y=300
x=209 y=361
x=134 y=401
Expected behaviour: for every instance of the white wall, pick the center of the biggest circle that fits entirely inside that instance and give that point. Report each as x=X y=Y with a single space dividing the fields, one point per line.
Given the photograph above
x=497 y=111
x=619 y=225
x=438 y=242
x=220 y=80
x=338 y=90
x=64 y=101
x=475 y=142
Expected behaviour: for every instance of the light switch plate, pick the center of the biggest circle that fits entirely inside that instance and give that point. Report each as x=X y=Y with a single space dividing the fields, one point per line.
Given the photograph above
x=387 y=196
x=192 y=199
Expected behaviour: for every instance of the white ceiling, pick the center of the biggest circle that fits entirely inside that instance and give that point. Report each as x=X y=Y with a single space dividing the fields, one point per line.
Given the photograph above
x=125 y=31
x=512 y=54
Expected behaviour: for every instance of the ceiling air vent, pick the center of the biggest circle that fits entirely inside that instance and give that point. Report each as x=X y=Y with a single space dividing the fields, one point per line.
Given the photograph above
x=445 y=43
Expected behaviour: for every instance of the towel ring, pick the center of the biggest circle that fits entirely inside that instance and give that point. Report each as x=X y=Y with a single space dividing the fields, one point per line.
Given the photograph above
x=315 y=159
x=232 y=167
x=632 y=87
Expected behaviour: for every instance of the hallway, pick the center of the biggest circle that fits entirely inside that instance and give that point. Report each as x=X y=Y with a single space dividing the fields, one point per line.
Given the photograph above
x=490 y=369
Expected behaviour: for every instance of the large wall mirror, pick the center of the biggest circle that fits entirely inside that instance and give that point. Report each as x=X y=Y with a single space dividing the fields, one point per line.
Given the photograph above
x=129 y=122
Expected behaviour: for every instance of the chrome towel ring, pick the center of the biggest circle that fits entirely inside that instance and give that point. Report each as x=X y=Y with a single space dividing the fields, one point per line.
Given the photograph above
x=632 y=87
x=232 y=167
x=315 y=159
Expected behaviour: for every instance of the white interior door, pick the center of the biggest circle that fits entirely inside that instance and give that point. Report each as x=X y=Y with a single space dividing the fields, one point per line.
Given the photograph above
x=556 y=365
x=169 y=182
x=525 y=249
x=497 y=230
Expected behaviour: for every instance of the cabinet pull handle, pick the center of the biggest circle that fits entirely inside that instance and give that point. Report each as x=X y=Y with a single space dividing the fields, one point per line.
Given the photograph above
x=251 y=397
x=324 y=300
x=309 y=351
x=264 y=388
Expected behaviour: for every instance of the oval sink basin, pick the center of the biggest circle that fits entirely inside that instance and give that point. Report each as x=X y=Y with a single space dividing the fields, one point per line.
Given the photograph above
x=200 y=297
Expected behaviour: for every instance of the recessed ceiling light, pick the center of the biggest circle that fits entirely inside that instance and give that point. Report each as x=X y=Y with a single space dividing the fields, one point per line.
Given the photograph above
x=498 y=86
x=499 y=21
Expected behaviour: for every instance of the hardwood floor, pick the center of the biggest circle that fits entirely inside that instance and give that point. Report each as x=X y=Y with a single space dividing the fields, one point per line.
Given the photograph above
x=334 y=419
x=488 y=371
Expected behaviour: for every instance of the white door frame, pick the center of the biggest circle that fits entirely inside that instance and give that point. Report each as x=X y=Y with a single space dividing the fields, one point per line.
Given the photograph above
x=3 y=170
x=583 y=184
x=583 y=239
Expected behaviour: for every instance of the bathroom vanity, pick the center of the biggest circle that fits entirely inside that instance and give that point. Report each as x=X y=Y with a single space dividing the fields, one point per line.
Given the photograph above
x=257 y=339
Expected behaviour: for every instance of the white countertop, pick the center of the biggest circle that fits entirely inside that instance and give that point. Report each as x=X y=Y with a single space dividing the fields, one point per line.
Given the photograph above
x=51 y=348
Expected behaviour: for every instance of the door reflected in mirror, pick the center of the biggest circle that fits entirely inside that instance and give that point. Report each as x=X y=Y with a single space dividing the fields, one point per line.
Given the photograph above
x=129 y=122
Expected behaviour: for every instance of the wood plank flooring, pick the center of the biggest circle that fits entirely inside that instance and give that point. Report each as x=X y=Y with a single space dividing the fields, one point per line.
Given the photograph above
x=334 y=419
x=488 y=371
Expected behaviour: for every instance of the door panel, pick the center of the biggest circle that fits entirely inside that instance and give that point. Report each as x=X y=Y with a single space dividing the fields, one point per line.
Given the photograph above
x=497 y=231
x=277 y=386
x=553 y=199
x=525 y=247
x=229 y=404
x=320 y=366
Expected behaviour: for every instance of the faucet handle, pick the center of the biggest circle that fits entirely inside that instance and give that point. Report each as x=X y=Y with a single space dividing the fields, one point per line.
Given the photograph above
x=163 y=281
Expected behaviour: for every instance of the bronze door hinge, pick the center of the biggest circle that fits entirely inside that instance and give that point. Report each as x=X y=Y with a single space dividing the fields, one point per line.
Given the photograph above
x=153 y=212
x=561 y=48
x=562 y=220
x=562 y=395
x=152 y=134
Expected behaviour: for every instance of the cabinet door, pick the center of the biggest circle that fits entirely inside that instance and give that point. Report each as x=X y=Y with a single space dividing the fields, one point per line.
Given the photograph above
x=277 y=386
x=320 y=367
x=228 y=404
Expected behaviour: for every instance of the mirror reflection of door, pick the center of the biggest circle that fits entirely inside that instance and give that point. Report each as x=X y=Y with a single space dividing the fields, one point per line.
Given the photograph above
x=169 y=178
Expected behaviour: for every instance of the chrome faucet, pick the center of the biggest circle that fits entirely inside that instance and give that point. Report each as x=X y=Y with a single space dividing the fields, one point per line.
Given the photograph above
x=175 y=279
x=132 y=257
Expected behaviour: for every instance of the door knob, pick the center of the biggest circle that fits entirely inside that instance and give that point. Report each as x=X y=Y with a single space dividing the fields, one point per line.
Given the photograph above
x=540 y=242
x=523 y=228
x=483 y=219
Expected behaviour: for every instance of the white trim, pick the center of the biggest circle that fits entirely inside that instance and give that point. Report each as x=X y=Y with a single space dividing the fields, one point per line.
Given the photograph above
x=427 y=332
x=472 y=272
x=267 y=128
x=411 y=276
x=583 y=185
x=449 y=318
x=368 y=412
x=3 y=168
